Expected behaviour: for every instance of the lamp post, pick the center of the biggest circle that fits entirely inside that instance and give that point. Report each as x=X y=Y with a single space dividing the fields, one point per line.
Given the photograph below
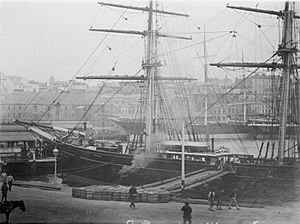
x=55 y=153
x=32 y=150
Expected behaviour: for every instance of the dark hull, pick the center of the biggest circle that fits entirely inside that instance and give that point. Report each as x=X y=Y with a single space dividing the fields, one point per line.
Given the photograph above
x=214 y=130
x=262 y=131
x=222 y=131
x=254 y=180
x=105 y=166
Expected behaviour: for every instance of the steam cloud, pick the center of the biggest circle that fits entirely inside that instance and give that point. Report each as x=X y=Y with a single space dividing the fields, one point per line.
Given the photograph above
x=142 y=159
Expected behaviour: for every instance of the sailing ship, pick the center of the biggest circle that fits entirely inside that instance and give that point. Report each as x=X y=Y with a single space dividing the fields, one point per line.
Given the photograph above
x=145 y=159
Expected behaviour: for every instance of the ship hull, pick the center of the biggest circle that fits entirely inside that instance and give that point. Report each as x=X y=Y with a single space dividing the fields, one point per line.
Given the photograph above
x=217 y=131
x=221 y=131
x=106 y=167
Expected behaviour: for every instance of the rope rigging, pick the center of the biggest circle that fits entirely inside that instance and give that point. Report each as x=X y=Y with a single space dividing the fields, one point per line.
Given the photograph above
x=55 y=101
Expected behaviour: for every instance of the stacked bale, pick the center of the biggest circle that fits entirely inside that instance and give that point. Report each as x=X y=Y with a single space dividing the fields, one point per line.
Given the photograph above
x=120 y=193
x=124 y=196
x=164 y=196
x=90 y=194
x=143 y=195
x=106 y=195
x=98 y=195
x=76 y=192
x=116 y=196
x=153 y=197
x=82 y=192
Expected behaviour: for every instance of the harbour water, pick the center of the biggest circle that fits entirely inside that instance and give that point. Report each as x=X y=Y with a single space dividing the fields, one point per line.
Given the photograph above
x=252 y=147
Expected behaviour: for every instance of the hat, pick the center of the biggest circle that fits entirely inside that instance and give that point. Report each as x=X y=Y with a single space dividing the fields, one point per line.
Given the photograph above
x=187 y=201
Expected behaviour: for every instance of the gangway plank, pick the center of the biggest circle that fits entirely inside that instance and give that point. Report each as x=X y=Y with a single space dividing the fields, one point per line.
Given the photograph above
x=173 y=179
x=202 y=180
x=193 y=179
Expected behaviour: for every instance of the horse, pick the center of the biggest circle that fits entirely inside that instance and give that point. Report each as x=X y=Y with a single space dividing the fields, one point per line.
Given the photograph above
x=8 y=206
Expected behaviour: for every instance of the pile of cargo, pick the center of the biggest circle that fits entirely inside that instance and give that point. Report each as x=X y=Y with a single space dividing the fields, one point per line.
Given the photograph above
x=120 y=193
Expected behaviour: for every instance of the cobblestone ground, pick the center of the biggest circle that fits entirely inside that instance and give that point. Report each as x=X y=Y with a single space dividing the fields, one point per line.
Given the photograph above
x=59 y=207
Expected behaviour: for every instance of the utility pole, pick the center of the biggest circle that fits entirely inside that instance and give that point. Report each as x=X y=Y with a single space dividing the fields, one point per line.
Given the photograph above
x=182 y=162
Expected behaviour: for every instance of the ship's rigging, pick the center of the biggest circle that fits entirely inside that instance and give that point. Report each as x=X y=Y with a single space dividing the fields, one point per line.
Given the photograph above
x=167 y=163
x=286 y=50
x=151 y=65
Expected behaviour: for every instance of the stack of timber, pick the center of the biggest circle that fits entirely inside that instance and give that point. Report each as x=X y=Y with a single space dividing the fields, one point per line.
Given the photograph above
x=120 y=193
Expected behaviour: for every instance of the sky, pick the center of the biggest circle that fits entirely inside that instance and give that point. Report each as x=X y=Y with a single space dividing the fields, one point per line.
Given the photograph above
x=39 y=39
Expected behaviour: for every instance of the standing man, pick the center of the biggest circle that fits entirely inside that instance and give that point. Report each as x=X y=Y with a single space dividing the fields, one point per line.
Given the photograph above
x=4 y=176
x=4 y=190
x=218 y=197
x=211 y=198
x=10 y=180
x=132 y=194
x=233 y=199
x=187 y=213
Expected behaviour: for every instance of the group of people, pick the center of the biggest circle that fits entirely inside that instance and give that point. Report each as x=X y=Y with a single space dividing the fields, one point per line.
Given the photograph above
x=7 y=180
x=214 y=199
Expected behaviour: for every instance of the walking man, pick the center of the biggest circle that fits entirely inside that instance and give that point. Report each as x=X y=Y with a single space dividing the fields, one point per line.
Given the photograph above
x=132 y=194
x=211 y=198
x=4 y=190
x=187 y=213
x=233 y=199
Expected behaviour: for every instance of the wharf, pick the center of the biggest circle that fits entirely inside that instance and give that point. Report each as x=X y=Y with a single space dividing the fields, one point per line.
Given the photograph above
x=59 y=207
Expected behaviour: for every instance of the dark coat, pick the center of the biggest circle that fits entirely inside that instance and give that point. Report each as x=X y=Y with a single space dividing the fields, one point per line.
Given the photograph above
x=187 y=212
x=4 y=188
x=132 y=191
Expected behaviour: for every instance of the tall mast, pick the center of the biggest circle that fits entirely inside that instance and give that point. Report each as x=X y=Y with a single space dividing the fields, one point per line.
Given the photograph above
x=244 y=95
x=151 y=63
x=150 y=75
x=286 y=50
x=205 y=77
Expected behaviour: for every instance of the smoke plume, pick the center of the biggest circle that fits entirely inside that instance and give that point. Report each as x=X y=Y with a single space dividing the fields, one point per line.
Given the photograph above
x=141 y=158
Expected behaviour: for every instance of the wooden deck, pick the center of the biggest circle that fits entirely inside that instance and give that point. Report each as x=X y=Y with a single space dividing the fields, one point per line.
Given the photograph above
x=192 y=179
